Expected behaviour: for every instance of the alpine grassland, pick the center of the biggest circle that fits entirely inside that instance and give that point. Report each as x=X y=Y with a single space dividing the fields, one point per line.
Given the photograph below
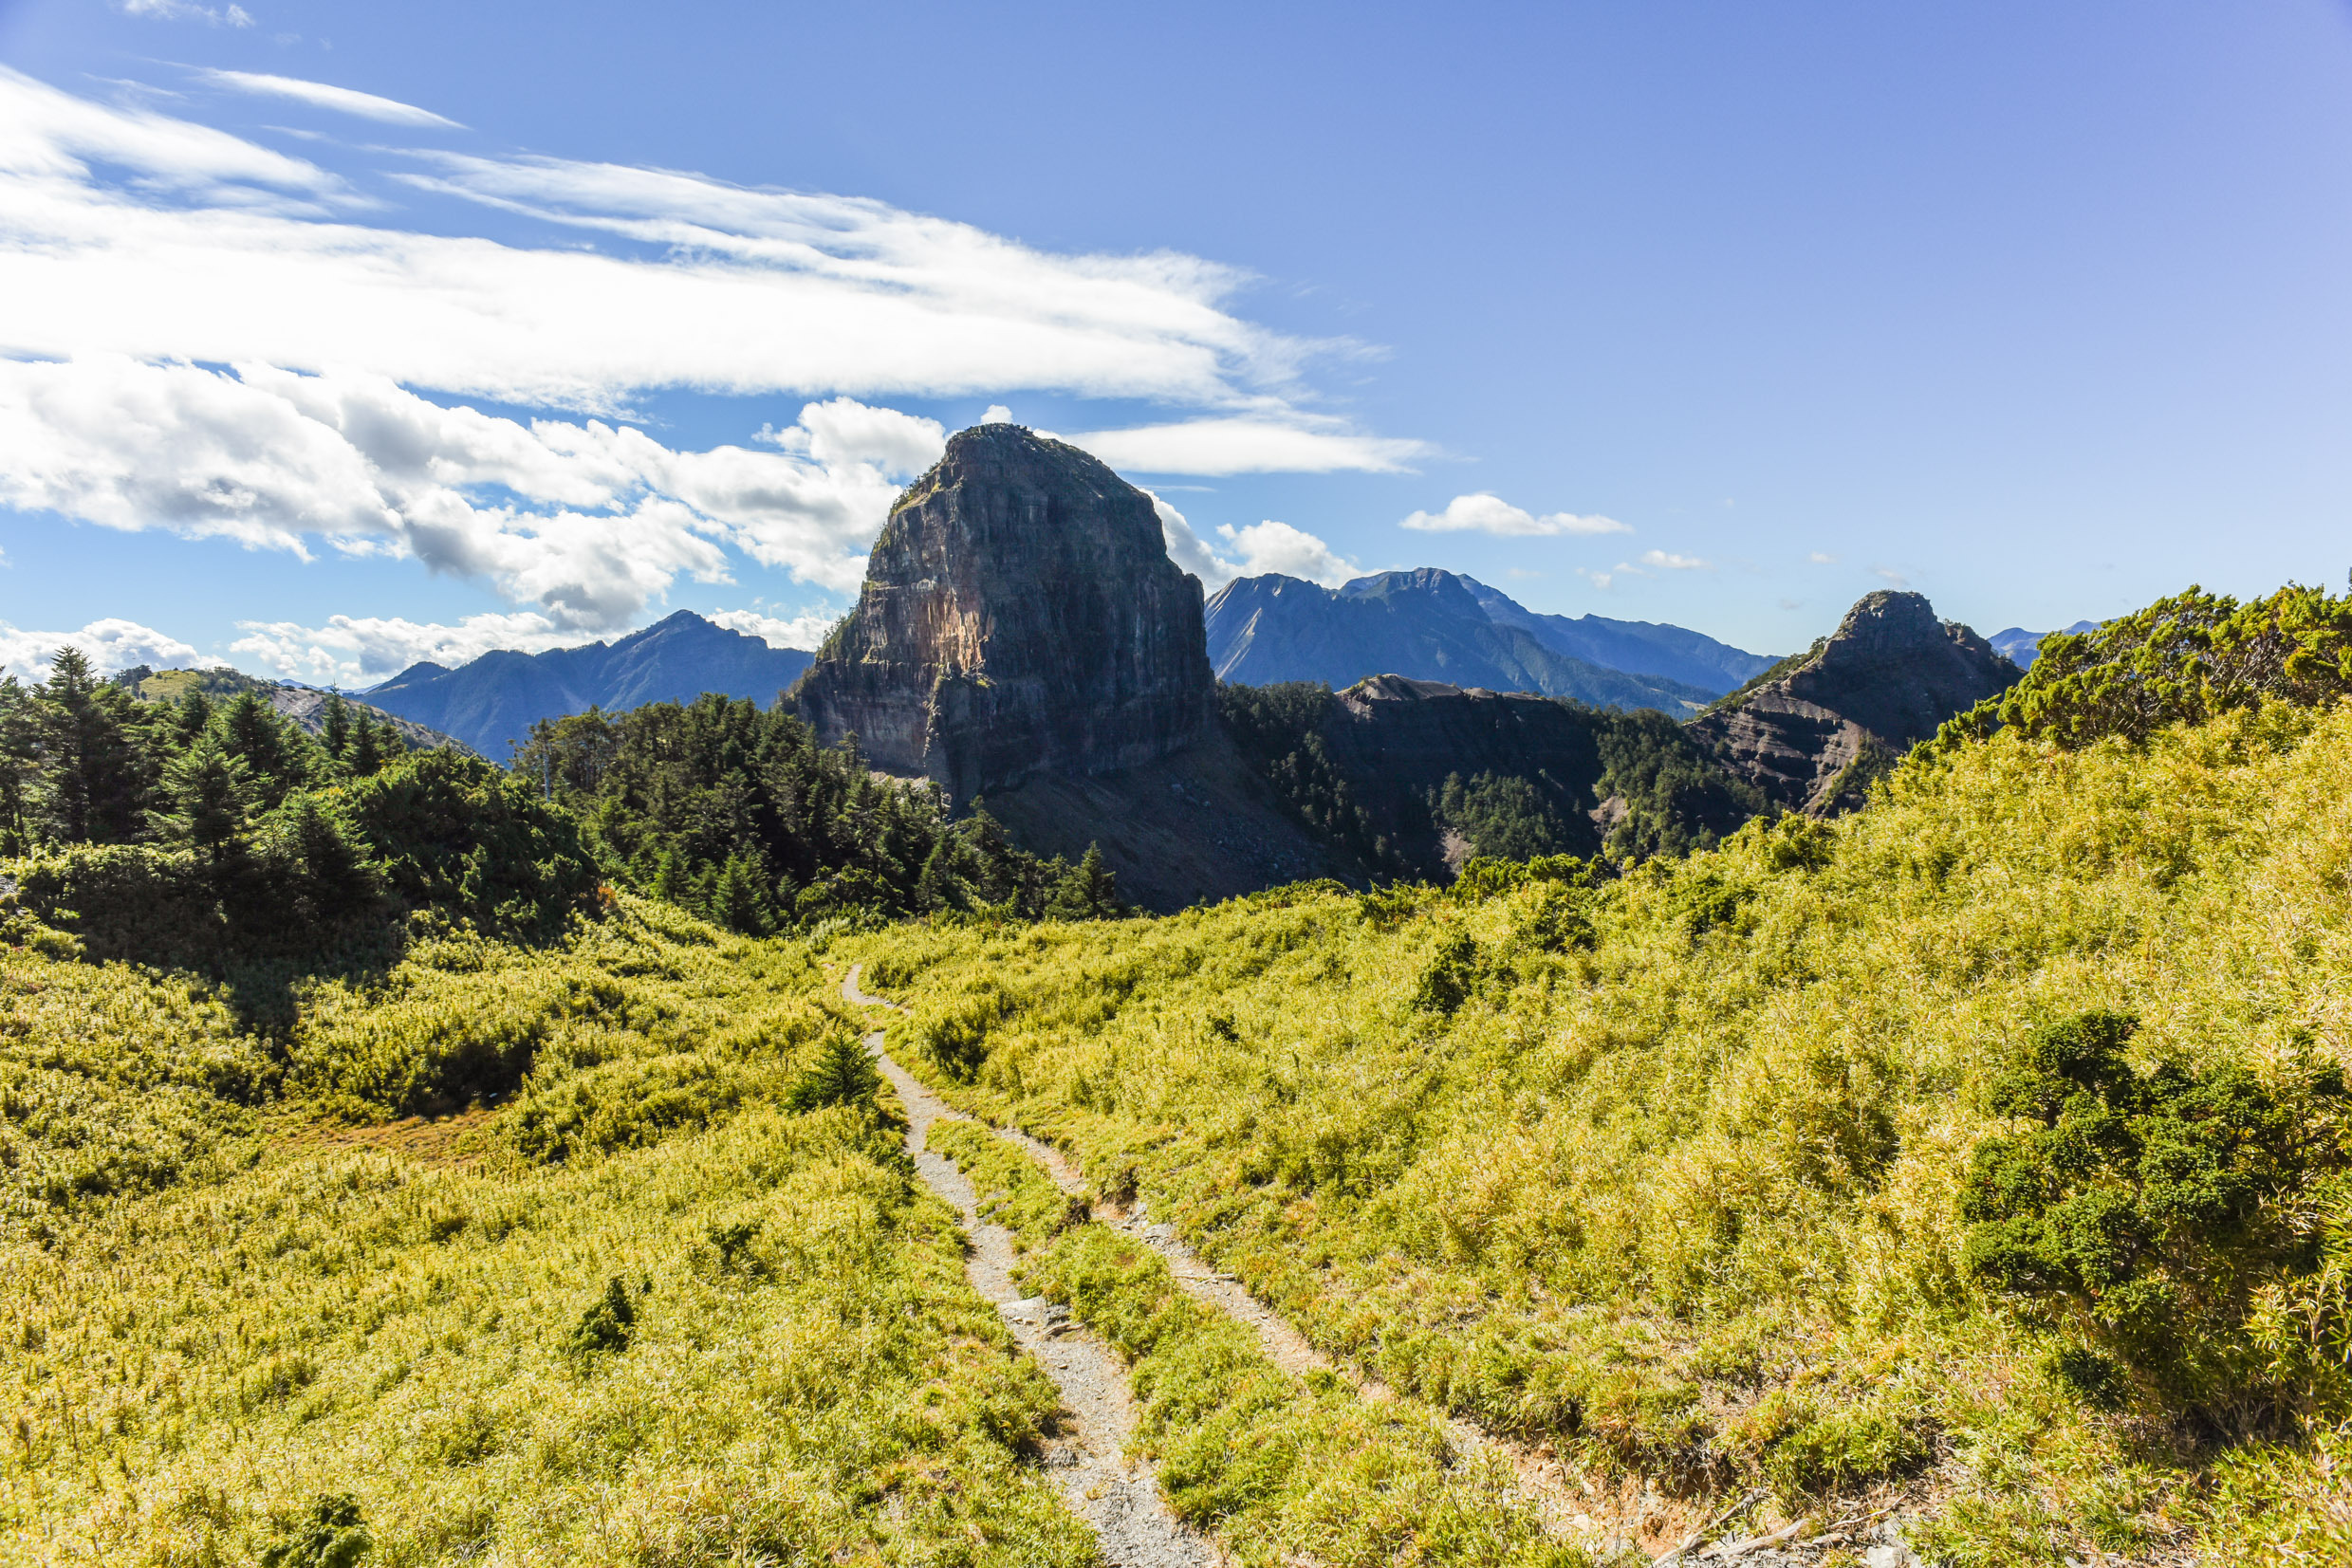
x=1282 y=1469
x=1983 y=1152
x=652 y=1285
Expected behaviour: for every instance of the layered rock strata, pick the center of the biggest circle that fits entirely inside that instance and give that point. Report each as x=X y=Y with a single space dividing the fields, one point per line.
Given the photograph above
x=1020 y=615
x=1813 y=734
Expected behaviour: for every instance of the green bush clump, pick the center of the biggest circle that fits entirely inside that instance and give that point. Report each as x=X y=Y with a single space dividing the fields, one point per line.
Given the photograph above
x=2147 y=1213
x=330 y=1535
x=606 y=1327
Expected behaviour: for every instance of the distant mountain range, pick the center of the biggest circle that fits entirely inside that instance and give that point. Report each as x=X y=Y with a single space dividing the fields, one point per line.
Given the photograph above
x=2018 y=646
x=491 y=702
x=1438 y=625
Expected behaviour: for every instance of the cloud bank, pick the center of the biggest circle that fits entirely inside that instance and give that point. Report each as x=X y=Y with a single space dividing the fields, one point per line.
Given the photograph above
x=1268 y=547
x=589 y=522
x=1486 y=513
x=111 y=645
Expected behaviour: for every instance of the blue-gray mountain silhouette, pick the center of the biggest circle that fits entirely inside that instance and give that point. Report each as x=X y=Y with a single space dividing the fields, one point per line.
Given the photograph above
x=492 y=703
x=1438 y=625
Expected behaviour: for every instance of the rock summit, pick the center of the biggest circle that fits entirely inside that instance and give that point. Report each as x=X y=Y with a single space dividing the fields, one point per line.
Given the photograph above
x=1020 y=615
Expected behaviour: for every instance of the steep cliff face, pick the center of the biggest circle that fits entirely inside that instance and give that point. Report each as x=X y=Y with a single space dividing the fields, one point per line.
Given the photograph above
x=1813 y=735
x=1020 y=615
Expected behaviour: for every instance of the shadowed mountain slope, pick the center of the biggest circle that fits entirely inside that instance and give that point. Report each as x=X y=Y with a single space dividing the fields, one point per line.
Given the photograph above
x=492 y=703
x=1423 y=625
x=1636 y=647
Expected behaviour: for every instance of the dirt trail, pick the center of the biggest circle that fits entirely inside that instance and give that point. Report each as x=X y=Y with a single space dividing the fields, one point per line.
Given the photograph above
x=1635 y=1518
x=1119 y=1498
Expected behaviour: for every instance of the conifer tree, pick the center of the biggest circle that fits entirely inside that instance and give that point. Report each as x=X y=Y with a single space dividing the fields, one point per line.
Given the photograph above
x=251 y=729
x=367 y=752
x=92 y=777
x=194 y=716
x=337 y=726
x=843 y=1074
x=739 y=901
x=333 y=867
x=210 y=794
x=1088 y=891
x=940 y=885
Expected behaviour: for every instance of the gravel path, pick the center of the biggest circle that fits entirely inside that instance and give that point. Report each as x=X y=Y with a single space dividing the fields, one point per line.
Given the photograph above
x=1118 y=1497
x=1611 y=1525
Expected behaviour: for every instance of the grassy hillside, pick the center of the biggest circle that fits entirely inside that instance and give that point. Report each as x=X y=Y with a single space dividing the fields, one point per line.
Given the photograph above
x=630 y=1307
x=1733 y=1171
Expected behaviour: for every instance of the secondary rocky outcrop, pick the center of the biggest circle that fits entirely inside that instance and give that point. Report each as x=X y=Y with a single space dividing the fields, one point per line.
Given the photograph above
x=1812 y=732
x=1020 y=616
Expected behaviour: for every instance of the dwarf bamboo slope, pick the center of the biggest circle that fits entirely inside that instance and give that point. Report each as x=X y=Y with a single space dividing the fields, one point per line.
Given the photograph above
x=1980 y=1156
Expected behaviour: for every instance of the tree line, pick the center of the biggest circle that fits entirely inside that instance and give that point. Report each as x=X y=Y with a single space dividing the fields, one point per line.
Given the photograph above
x=743 y=817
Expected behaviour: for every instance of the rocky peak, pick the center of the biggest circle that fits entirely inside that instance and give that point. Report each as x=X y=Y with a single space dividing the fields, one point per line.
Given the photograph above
x=1813 y=734
x=1020 y=613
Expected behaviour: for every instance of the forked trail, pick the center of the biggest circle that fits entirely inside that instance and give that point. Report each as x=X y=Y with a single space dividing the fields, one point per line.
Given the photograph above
x=1612 y=1523
x=1119 y=1498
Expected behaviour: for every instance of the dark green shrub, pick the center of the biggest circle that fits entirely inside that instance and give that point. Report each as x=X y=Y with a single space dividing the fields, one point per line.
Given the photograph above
x=329 y=1535
x=1451 y=975
x=454 y=831
x=2141 y=1214
x=608 y=1326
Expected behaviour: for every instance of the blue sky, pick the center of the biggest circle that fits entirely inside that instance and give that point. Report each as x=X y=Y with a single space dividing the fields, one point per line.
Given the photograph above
x=333 y=336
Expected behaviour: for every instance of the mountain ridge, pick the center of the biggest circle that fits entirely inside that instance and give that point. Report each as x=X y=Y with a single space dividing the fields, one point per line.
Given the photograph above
x=1423 y=624
x=490 y=702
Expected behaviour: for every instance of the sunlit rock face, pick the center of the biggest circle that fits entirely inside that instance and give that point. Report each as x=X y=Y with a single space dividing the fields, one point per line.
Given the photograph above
x=1813 y=737
x=1020 y=615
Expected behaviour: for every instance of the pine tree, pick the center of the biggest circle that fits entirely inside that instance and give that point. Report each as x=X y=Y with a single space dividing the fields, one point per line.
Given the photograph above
x=254 y=730
x=93 y=777
x=333 y=867
x=367 y=748
x=337 y=726
x=1088 y=891
x=674 y=882
x=843 y=1074
x=210 y=795
x=195 y=716
x=940 y=885
x=739 y=901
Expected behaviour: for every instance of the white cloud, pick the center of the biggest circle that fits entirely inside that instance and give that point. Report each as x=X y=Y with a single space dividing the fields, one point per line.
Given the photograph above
x=1271 y=546
x=997 y=413
x=111 y=645
x=1668 y=560
x=352 y=649
x=1822 y=558
x=589 y=522
x=185 y=11
x=349 y=101
x=804 y=631
x=1892 y=576
x=1249 y=443
x=1492 y=514
x=1266 y=546
x=723 y=289
x=1601 y=579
